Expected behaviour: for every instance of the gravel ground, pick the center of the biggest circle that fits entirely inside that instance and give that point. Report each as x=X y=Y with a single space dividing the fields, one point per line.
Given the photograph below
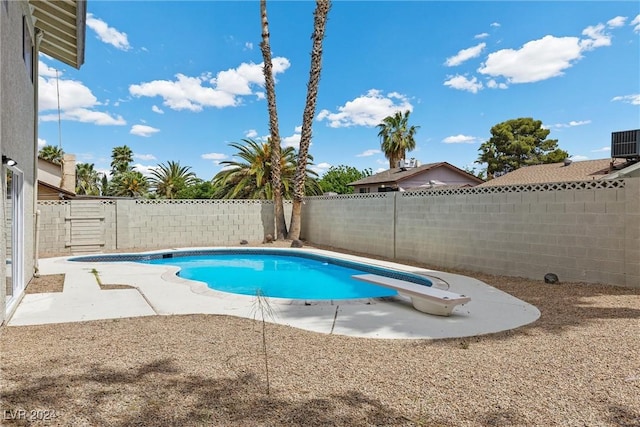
x=578 y=365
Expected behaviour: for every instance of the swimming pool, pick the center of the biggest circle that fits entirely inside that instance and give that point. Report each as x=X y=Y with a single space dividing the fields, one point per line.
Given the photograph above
x=274 y=273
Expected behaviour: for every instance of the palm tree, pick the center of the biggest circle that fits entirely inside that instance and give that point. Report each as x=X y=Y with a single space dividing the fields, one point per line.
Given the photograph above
x=121 y=158
x=319 y=24
x=168 y=179
x=276 y=173
x=51 y=153
x=129 y=184
x=249 y=178
x=396 y=137
x=87 y=179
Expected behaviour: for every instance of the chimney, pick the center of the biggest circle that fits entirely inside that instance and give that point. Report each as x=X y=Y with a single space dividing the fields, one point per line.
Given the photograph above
x=68 y=181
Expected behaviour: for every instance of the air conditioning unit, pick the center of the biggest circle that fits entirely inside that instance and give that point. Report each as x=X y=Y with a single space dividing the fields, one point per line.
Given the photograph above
x=625 y=144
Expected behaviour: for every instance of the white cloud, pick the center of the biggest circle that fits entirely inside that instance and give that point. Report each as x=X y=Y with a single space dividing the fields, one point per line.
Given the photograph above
x=618 y=21
x=380 y=170
x=145 y=157
x=157 y=109
x=463 y=83
x=602 y=150
x=465 y=55
x=251 y=133
x=636 y=24
x=596 y=37
x=633 y=99
x=572 y=123
x=248 y=45
x=76 y=100
x=108 y=34
x=578 y=158
x=492 y=84
x=481 y=36
x=292 y=140
x=495 y=24
x=196 y=93
x=368 y=153
x=86 y=116
x=320 y=168
x=366 y=110
x=534 y=61
x=460 y=139
x=214 y=156
x=41 y=142
x=143 y=130
x=143 y=169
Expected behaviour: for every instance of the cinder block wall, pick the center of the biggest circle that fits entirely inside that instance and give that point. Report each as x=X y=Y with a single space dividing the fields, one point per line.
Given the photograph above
x=586 y=231
x=358 y=222
x=162 y=223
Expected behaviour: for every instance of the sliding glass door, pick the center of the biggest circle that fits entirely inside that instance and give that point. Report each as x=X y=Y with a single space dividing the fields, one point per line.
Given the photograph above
x=14 y=212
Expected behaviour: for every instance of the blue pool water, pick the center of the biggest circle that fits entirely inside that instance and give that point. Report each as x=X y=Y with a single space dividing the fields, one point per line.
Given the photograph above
x=280 y=274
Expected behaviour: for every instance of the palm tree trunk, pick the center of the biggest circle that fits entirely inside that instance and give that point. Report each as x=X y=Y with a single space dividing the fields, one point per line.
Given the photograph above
x=276 y=173
x=319 y=25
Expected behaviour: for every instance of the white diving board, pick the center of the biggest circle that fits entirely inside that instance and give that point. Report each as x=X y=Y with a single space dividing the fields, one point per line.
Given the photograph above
x=424 y=298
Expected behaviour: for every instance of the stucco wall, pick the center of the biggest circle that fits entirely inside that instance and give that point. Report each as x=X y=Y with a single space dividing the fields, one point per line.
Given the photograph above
x=17 y=128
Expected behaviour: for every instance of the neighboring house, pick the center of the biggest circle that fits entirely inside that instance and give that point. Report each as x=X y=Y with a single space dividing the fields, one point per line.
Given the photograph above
x=430 y=175
x=564 y=172
x=27 y=28
x=56 y=181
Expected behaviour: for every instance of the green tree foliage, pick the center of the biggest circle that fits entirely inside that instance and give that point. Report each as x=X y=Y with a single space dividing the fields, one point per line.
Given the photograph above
x=516 y=143
x=249 y=178
x=396 y=137
x=337 y=177
x=199 y=189
x=129 y=184
x=121 y=158
x=51 y=153
x=168 y=179
x=87 y=179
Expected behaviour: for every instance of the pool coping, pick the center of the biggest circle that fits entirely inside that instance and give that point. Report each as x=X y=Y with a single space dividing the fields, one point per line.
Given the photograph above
x=158 y=291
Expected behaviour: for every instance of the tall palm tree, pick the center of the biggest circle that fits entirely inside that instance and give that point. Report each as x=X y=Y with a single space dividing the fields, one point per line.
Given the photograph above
x=168 y=179
x=87 y=179
x=269 y=83
x=396 y=137
x=121 y=158
x=319 y=25
x=51 y=153
x=249 y=177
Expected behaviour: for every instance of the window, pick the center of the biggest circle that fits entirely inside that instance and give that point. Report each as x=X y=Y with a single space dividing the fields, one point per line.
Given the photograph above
x=365 y=190
x=27 y=47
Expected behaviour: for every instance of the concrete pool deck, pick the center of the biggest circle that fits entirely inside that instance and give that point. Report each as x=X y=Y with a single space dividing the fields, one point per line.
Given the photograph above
x=156 y=290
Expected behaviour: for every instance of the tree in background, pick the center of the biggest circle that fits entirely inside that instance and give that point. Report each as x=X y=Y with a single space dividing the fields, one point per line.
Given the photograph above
x=396 y=137
x=337 y=177
x=87 y=179
x=249 y=178
x=516 y=143
x=199 y=189
x=52 y=154
x=270 y=88
x=168 y=179
x=320 y=15
x=129 y=184
x=121 y=158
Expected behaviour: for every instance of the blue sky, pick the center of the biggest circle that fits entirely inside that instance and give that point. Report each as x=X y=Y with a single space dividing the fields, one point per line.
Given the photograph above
x=181 y=80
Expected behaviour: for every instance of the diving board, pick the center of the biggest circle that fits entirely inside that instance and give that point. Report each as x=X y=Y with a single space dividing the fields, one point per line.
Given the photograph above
x=427 y=299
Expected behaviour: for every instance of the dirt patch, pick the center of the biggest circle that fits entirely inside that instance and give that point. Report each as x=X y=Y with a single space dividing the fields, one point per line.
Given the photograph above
x=46 y=284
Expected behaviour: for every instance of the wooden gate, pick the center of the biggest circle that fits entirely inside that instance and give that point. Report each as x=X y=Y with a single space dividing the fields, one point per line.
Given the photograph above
x=85 y=226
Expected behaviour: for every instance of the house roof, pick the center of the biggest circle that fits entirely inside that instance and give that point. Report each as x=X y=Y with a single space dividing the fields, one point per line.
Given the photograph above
x=63 y=25
x=61 y=191
x=555 y=172
x=396 y=175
